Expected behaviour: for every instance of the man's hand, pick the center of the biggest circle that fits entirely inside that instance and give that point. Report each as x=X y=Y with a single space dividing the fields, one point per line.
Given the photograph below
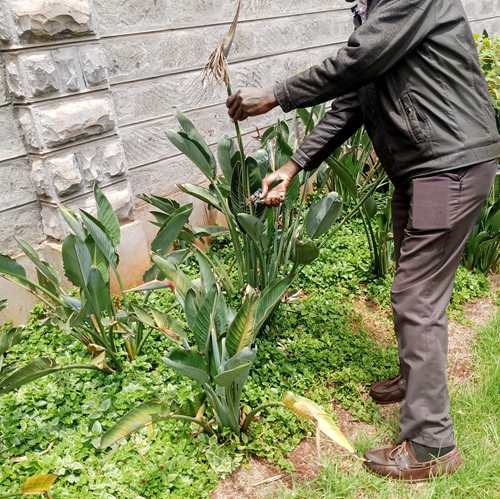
x=251 y=102
x=281 y=180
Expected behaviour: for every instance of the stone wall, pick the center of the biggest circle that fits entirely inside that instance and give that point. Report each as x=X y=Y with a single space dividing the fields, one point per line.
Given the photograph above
x=88 y=88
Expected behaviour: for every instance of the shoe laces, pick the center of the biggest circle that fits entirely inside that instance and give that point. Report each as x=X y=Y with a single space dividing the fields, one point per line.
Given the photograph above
x=398 y=450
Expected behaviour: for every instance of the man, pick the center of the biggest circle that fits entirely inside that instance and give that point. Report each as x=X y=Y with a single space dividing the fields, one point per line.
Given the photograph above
x=410 y=74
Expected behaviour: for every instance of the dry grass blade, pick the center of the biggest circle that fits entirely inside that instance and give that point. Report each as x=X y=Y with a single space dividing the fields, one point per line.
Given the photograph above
x=216 y=68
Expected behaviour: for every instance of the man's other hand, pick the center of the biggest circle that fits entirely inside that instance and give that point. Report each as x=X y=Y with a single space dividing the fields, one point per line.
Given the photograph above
x=275 y=185
x=250 y=102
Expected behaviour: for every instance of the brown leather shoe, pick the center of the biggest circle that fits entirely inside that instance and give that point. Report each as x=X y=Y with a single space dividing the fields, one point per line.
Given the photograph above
x=401 y=463
x=389 y=391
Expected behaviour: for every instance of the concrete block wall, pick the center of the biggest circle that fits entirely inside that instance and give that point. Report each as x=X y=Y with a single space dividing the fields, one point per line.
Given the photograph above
x=88 y=88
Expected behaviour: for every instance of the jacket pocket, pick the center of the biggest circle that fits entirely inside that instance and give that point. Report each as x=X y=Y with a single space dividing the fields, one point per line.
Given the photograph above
x=416 y=122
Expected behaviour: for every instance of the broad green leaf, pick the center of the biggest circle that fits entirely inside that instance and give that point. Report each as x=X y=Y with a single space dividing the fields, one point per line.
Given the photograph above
x=100 y=237
x=144 y=316
x=76 y=261
x=206 y=271
x=241 y=332
x=98 y=293
x=192 y=132
x=170 y=327
x=169 y=233
x=323 y=214
x=370 y=207
x=193 y=152
x=8 y=339
x=99 y=261
x=36 y=369
x=224 y=154
x=9 y=267
x=73 y=223
x=238 y=198
x=166 y=205
x=269 y=299
x=190 y=364
x=201 y=193
x=177 y=277
x=38 y=484
x=49 y=276
x=107 y=216
x=253 y=227
x=228 y=377
x=136 y=419
x=305 y=252
x=191 y=308
x=307 y=409
x=150 y=286
x=293 y=192
x=204 y=320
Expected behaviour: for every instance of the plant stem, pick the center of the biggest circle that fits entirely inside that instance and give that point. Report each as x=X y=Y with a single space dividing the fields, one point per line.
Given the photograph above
x=253 y=414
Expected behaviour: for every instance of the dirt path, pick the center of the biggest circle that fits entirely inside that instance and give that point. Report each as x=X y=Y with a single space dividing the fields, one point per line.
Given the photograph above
x=259 y=479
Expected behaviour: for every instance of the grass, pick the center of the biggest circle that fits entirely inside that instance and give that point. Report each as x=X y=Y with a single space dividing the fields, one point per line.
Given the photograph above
x=314 y=348
x=476 y=411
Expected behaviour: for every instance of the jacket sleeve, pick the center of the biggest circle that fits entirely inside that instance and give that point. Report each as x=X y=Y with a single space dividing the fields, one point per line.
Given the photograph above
x=392 y=30
x=340 y=123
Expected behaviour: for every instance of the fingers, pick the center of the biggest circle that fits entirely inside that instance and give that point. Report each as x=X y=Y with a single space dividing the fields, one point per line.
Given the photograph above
x=274 y=198
x=235 y=107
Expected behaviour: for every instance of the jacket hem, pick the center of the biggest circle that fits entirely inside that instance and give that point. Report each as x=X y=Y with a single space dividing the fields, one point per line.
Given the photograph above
x=283 y=97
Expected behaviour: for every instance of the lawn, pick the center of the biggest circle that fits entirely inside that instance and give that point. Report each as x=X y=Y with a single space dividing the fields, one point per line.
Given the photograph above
x=317 y=346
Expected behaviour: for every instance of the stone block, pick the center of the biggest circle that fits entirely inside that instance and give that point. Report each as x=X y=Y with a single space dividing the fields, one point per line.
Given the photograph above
x=11 y=144
x=94 y=65
x=14 y=78
x=6 y=31
x=37 y=20
x=66 y=173
x=41 y=74
x=16 y=186
x=23 y=222
x=48 y=125
x=119 y=195
x=4 y=95
x=70 y=74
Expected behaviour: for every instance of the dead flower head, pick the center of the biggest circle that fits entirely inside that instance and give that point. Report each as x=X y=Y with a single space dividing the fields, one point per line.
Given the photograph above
x=217 y=69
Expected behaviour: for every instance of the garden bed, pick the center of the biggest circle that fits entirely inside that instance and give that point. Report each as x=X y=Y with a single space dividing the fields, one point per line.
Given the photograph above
x=320 y=346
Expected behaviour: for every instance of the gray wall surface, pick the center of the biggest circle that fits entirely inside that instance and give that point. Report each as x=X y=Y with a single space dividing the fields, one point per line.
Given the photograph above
x=88 y=88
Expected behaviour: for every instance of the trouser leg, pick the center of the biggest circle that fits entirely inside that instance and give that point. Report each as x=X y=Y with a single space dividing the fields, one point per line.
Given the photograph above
x=443 y=211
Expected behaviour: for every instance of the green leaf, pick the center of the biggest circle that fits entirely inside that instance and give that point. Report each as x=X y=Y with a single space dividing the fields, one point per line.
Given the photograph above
x=323 y=214
x=206 y=271
x=136 y=419
x=370 y=207
x=107 y=216
x=9 y=267
x=170 y=327
x=224 y=155
x=305 y=252
x=238 y=201
x=192 y=132
x=166 y=205
x=227 y=378
x=8 y=339
x=100 y=237
x=169 y=233
x=49 y=278
x=269 y=299
x=98 y=293
x=73 y=223
x=241 y=333
x=253 y=227
x=76 y=261
x=191 y=308
x=190 y=364
x=201 y=193
x=172 y=273
x=204 y=320
x=193 y=151
x=38 y=484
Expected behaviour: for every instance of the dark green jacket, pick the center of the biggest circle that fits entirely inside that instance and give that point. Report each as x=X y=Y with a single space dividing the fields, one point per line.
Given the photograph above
x=411 y=75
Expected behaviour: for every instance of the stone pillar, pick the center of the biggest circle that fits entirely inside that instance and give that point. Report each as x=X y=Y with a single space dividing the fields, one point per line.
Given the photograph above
x=57 y=78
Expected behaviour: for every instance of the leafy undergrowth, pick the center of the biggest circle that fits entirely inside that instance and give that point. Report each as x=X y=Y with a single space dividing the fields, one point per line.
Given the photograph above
x=476 y=415
x=312 y=348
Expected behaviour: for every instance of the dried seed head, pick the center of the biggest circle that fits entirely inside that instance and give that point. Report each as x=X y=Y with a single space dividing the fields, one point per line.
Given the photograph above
x=217 y=69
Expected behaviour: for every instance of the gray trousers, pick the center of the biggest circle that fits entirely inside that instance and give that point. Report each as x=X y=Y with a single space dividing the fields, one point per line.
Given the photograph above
x=433 y=217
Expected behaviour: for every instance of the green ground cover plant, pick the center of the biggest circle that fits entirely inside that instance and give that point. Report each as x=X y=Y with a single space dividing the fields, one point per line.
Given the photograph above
x=56 y=424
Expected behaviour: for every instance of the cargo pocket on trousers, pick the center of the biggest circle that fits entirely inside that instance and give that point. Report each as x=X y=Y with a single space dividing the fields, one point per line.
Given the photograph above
x=430 y=204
